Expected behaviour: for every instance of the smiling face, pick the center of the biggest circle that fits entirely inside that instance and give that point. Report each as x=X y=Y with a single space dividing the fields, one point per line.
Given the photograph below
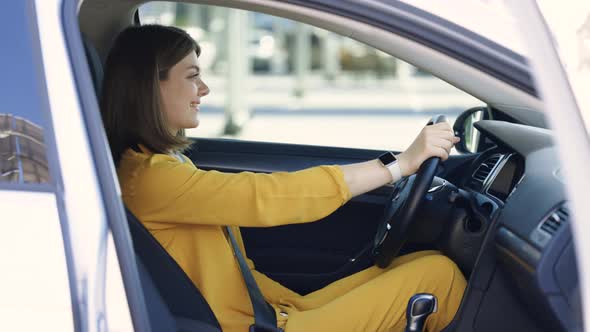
x=181 y=93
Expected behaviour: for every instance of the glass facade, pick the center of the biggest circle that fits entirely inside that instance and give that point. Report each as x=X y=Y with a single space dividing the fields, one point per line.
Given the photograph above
x=22 y=151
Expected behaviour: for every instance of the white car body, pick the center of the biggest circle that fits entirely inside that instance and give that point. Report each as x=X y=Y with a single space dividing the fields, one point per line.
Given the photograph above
x=83 y=251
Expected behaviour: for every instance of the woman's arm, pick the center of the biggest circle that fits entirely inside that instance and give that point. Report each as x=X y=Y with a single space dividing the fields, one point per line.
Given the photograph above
x=433 y=141
x=165 y=190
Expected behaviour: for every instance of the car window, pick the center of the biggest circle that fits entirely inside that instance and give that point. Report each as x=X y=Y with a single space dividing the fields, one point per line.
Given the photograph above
x=23 y=118
x=35 y=288
x=277 y=80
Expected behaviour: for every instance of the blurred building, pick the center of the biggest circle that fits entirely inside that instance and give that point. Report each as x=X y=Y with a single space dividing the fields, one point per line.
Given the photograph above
x=22 y=151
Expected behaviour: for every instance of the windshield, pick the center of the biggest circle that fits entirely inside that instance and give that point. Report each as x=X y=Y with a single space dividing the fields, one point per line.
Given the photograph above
x=570 y=26
x=488 y=18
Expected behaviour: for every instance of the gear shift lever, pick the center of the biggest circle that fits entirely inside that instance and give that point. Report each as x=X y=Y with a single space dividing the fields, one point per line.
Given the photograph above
x=420 y=306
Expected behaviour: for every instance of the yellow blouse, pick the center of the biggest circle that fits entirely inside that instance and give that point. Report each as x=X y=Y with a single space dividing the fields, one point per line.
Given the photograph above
x=185 y=209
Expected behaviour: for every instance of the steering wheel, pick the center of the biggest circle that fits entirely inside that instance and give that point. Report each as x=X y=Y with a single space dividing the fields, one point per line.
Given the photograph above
x=406 y=196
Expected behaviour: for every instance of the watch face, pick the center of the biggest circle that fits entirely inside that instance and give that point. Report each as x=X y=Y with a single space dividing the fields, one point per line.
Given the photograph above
x=387 y=158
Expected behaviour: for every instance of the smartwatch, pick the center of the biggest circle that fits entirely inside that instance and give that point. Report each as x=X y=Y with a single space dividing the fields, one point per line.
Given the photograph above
x=389 y=161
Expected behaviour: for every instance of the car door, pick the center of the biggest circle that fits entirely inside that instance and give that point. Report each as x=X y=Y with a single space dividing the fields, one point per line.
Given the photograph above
x=100 y=279
x=36 y=290
x=270 y=154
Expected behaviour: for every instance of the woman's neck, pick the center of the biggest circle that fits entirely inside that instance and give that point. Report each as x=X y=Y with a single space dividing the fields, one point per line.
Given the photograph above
x=176 y=155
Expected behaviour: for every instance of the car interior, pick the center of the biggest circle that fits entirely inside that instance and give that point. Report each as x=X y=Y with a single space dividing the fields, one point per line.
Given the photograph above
x=498 y=209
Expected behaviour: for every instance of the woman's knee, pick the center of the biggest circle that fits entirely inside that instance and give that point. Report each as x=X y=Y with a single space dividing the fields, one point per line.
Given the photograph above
x=448 y=286
x=442 y=269
x=439 y=262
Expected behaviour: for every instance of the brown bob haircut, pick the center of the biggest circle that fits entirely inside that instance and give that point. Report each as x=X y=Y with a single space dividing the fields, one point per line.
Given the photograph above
x=139 y=59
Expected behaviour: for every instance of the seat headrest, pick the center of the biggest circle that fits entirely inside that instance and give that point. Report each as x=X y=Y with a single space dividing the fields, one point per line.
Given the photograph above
x=95 y=64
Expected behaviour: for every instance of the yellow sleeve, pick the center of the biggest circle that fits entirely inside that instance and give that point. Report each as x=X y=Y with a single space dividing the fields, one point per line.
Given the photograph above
x=166 y=190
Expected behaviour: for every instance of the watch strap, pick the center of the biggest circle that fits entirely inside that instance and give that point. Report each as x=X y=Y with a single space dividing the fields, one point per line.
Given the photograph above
x=389 y=161
x=395 y=170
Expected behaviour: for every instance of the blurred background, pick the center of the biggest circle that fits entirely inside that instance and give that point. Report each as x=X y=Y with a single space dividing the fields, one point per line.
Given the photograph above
x=277 y=80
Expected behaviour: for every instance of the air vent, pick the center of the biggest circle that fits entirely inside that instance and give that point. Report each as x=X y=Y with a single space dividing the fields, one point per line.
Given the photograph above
x=549 y=226
x=483 y=171
x=555 y=220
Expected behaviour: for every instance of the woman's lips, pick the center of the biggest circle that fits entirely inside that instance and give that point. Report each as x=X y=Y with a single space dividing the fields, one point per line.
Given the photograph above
x=194 y=105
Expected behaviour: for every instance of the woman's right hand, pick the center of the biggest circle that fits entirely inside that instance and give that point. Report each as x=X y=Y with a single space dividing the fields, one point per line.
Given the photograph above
x=433 y=141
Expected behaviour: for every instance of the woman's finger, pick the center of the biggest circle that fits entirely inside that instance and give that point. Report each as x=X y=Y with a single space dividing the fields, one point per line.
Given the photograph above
x=448 y=135
x=437 y=151
x=443 y=143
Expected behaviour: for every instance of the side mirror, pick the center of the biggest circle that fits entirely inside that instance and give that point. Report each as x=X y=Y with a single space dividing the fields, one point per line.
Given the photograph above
x=471 y=140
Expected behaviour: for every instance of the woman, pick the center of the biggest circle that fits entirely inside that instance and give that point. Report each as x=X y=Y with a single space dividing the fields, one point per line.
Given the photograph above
x=151 y=93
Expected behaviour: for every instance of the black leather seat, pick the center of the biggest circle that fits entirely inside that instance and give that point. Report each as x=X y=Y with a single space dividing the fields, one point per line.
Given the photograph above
x=183 y=299
x=174 y=303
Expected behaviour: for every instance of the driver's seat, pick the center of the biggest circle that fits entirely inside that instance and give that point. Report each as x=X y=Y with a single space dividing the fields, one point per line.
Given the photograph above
x=183 y=299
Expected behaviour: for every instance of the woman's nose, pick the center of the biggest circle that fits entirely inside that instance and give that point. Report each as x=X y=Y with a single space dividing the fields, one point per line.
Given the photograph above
x=203 y=89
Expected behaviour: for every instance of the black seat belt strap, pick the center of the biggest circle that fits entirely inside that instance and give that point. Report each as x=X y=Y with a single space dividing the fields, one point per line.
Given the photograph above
x=264 y=315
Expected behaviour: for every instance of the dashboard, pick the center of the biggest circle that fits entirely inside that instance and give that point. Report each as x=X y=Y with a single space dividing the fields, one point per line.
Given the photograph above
x=530 y=237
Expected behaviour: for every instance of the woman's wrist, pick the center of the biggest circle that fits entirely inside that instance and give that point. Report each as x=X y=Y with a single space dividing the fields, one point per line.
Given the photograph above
x=404 y=164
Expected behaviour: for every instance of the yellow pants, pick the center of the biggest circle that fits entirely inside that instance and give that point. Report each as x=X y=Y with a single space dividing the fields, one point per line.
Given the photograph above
x=375 y=299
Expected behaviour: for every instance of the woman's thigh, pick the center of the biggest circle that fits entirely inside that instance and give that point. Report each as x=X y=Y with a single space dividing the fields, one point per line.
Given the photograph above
x=380 y=304
x=345 y=285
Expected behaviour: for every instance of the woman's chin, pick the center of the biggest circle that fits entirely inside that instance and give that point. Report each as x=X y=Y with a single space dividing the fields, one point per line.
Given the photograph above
x=193 y=124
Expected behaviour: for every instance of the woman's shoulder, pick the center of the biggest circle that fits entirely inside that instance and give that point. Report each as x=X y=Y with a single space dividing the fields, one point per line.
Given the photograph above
x=147 y=160
x=146 y=172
